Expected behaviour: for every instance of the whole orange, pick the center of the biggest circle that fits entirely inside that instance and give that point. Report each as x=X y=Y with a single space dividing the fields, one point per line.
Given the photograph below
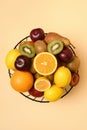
x=22 y=81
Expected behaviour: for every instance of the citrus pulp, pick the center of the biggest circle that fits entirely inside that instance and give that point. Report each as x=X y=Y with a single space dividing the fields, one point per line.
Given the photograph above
x=42 y=84
x=45 y=63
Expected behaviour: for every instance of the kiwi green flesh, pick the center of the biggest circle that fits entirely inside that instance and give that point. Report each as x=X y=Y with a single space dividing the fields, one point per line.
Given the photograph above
x=27 y=50
x=55 y=47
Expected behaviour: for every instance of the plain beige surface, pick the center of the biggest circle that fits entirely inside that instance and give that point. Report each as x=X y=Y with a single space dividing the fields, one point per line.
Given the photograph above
x=67 y=17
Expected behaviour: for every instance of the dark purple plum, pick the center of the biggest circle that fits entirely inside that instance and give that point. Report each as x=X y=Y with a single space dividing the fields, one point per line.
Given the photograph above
x=65 y=55
x=22 y=63
x=37 y=34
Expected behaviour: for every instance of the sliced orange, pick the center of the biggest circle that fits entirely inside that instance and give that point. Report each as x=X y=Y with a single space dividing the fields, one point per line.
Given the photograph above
x=45 y=63
x=42 y=84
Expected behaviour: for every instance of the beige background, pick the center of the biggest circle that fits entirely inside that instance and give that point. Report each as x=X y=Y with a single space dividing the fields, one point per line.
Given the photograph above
x=67 y=17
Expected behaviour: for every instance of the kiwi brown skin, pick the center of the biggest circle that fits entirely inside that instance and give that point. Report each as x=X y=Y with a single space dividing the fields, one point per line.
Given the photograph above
x=50 y=78
x=55 y=36
x=74 y=64
x=37 y=75
x=40 y=46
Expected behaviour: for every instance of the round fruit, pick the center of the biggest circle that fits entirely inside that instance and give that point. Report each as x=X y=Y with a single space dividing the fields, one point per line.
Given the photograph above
x=55 y=47
x=74 y=64
x=50 y=77
x=27 y=50
x=37 y=34
x=40 y=46
x=21 y=81
x=65 y=55
x=35 y=92
x=62 y=76
x=45 y=63
x=22 y=63
x=42 y=84
x=32 y=69
x=54 y=93
x=11 y=57
x=75 y=79
x=27 y=42
x=55 y=36
x=36 y=76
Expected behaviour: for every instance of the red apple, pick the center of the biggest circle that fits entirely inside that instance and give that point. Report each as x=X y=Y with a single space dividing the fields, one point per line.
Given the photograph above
x=75 y=79
x=37 y=34
x=65 y=55
x=35 y=92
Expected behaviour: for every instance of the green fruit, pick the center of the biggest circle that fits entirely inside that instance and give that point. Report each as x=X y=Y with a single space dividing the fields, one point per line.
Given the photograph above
x=62 y=76
x=11 y=58
x=54 y=93
x=55 y=47
x=27 y=50
x=40 y=46
x=74 y=64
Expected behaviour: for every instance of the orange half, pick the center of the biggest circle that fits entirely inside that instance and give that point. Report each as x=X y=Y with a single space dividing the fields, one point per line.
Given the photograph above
x=45 y=63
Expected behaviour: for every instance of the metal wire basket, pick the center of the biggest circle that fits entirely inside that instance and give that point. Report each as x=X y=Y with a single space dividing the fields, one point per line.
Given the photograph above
x=41 y=99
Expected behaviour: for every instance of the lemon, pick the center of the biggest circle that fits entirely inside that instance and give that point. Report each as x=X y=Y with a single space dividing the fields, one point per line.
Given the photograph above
x=41 y=84
x=62 y=76
x=11 y=57
x=53 y=93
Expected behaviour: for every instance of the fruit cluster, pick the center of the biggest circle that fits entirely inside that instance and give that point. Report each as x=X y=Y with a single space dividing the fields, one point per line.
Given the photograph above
x=44 y=66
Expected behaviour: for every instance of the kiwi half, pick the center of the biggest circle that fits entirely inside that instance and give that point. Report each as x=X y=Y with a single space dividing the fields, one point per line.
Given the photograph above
x=27 y=50
x=55 y=47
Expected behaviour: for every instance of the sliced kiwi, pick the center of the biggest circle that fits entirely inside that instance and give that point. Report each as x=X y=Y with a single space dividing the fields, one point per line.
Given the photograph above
x=27 y=50
x=55 y=47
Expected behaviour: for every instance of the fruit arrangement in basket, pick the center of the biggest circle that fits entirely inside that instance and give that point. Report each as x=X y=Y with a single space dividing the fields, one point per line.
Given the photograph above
x=44 y=65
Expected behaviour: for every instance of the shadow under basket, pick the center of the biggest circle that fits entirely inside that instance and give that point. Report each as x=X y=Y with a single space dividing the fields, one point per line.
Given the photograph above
x=40 y=99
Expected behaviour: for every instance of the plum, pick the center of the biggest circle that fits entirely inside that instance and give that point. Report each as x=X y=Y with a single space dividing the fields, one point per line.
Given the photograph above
x=37 y=34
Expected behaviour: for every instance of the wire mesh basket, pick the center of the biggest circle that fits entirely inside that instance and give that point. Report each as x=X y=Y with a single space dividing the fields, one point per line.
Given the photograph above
x=40 y=99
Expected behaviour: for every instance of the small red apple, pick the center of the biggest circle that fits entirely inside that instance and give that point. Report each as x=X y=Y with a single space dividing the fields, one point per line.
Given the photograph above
x=65 y=55
x=35 y=92
x=75 y=79
x=37 y=34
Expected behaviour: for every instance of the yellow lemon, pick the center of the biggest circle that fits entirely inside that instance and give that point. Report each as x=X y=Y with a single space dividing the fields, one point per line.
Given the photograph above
x=62 y=76
x=42 y=84
x=53 y=93
x=11 y=57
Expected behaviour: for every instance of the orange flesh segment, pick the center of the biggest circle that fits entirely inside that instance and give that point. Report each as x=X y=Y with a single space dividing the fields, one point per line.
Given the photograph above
x=41 y=85
x=46 y=64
